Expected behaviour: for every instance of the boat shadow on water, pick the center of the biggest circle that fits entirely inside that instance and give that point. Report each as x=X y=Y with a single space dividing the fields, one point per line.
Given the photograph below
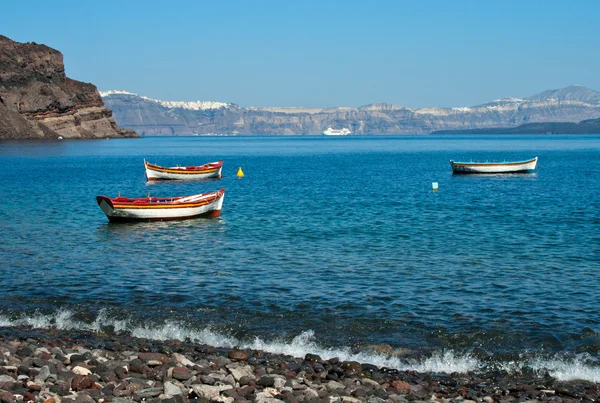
x=181 y=182
x=184 y=229
x=494 y=176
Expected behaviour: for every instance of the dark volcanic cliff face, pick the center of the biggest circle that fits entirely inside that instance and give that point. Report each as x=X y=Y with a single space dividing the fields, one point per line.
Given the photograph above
x=154 y=117
x=37 y=99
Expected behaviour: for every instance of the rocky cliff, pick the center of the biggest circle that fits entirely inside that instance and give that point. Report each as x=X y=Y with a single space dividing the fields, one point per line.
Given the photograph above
x=38 y=101
x=154 y=117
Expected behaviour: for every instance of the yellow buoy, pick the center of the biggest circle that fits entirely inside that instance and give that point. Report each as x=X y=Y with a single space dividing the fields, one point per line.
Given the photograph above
x=240 y=173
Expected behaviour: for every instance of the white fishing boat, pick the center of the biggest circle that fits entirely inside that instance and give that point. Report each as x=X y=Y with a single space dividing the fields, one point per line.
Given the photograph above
x=335 y=132
x=125 y=209
x=494 y=167
x=206 y=171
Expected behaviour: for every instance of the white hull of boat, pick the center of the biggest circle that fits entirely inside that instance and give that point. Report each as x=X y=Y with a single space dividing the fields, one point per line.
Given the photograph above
x=494 y=167
x=206 y=205
x=155 y=172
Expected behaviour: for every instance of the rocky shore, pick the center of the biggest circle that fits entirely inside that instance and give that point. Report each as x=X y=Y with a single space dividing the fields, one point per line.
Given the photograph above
x=55 y=367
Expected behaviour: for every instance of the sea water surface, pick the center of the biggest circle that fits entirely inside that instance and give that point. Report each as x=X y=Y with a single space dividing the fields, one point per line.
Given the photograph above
x=326 y=245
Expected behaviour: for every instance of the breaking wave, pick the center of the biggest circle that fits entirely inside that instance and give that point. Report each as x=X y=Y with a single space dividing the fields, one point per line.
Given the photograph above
x=563 y=368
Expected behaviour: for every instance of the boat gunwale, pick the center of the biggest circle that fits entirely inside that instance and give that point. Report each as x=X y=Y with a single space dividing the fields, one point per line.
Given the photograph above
x=487 y=164
x=191 y=170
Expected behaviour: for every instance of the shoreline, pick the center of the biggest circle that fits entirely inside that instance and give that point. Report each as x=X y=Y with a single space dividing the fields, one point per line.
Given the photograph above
x=55 y=366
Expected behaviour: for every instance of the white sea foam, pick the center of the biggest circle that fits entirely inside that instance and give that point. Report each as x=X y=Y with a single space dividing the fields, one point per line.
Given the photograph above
x=582 y=367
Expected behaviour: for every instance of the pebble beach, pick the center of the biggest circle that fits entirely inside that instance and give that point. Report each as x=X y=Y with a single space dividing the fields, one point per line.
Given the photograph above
x=57 y=366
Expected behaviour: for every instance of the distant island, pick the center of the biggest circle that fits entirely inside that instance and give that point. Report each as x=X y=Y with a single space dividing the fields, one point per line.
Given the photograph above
x=591 y=126
x=150 y=117
x=38 y=101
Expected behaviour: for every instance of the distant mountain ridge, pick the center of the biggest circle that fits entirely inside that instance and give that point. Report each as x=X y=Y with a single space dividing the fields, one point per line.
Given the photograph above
x=154 y=117
x=591 y=126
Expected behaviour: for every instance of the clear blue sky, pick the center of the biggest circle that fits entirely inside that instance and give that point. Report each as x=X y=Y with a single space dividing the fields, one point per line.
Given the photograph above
x=319 y=53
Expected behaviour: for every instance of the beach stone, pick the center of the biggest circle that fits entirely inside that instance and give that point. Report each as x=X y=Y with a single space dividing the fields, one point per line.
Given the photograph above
x=181 y=373
x=288 y=397
x=148 y=392
x=237 y=355
x=279 y=382
x=245 y=380
x=221 y=361
x=60 y=389
x=266 y=381
x=208 y=380
x=229 y=380
x=28 y=396
x=351 y=366
x=370 y=368
x=182 y=359
x=146 y=357
x=24 y=352
x=418 y=391
x=312 y=357
x=333 y=385
x=209 y=392
x=241 y=371
x=136 y=365
x=7 y=397
x=247 y=390
x=75 y=357
x=7 y=382
x=310 y=394
x=81 y=371
x=121 y=372
x=171 y=389
x=265 y=397
x=35 y=386
x=370 y=382
x=401 y=386
x=81 y=382
x=135 y=386
x=43 y=374
x=318 y=367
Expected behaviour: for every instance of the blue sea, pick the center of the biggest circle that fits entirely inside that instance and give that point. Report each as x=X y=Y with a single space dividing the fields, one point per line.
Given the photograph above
x=335 y=246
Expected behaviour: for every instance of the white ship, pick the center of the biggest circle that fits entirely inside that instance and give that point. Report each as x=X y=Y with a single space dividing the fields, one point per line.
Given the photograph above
x=334 y=132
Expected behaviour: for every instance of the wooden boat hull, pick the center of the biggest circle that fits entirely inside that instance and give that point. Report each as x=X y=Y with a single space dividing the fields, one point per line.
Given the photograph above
x=121 y=209
x=494 y=167
x=206 y=171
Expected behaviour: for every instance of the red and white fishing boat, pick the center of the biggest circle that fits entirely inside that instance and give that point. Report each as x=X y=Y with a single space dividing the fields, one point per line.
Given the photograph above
x=494 y=167
x=206 y=171
x=124 y=209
